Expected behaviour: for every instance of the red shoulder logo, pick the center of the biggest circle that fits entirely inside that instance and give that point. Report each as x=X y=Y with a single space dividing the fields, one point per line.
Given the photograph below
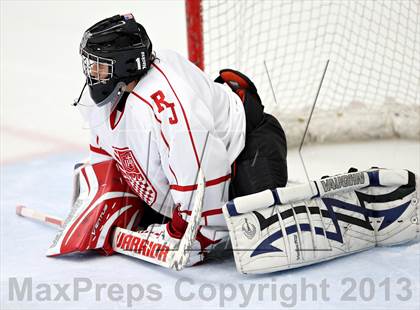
x=159 y=99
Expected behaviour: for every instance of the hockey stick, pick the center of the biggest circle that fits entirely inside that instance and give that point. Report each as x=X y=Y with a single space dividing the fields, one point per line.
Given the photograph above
x=40 y=216
x=176 y=259
x=182 y=255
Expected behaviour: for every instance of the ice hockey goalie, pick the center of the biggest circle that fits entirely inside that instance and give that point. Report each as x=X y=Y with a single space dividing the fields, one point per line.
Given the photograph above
x=156 y=122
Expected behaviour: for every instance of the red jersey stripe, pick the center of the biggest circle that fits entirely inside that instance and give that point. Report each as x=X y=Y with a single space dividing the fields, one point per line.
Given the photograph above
x=205 y=213
x=99 y=150
x=187 y=188
x=148 y=103
x=173 y=173
x=164 y=140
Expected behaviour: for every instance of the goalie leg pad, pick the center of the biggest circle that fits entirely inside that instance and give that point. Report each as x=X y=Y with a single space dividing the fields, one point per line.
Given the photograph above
x=303 y=232
x=102 y=201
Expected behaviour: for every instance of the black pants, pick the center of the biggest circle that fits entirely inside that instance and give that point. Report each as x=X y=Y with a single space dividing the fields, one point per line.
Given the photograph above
x=262 y=164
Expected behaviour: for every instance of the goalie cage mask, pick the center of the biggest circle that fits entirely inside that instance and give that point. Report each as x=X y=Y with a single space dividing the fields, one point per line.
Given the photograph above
x=115 y=52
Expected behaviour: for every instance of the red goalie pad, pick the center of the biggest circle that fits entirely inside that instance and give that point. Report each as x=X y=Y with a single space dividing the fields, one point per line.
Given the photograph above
x=104 y=201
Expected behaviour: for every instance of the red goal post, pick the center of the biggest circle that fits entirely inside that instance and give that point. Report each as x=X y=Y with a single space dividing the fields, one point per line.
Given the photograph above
x=195 y=32
x=371 y=89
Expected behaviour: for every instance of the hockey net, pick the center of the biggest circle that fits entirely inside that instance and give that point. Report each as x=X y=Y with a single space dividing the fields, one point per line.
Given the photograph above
x=371 y=88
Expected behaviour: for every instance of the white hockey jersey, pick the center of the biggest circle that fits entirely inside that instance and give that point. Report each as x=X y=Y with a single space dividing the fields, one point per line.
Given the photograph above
x=175 y=120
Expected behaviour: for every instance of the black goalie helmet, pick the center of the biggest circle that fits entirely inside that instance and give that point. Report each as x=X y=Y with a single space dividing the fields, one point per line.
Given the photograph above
x=115 y=52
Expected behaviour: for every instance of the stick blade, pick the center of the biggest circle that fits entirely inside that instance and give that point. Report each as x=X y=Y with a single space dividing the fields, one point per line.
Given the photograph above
x=19 y=209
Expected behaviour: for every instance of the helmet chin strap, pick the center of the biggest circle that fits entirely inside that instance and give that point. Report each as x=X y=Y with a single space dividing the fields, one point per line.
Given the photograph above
x=76 y=101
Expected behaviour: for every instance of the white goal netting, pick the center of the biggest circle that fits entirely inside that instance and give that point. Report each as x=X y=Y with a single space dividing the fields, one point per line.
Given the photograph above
x=371 y=88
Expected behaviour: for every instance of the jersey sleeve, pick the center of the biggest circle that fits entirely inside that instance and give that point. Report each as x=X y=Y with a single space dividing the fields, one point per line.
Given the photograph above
x=187 y=129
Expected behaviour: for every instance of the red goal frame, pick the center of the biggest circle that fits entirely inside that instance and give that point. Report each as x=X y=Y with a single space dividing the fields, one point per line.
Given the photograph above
x=193 y=13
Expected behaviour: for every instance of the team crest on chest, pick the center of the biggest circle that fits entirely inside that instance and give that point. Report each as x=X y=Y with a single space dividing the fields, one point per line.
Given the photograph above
x=134 y=175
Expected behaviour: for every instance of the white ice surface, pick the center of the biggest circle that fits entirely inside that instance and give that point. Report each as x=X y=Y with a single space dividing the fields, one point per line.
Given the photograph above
x=45 y=184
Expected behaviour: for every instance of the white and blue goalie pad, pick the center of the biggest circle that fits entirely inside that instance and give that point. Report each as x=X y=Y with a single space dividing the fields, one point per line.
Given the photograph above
x=295 y=226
